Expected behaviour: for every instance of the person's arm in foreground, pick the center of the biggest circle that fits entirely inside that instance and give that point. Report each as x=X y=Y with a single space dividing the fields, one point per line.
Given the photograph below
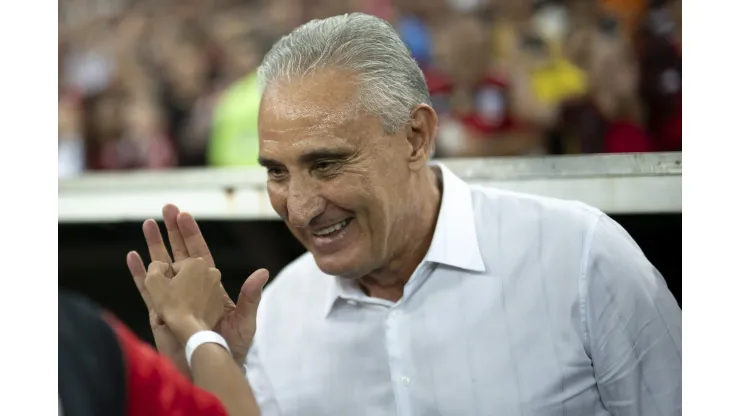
x=632 y=327
x=104 y=369
x=192 y=302
x=154 y=386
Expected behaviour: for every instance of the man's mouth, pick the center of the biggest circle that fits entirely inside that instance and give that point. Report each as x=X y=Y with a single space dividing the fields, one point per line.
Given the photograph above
x=334 y=228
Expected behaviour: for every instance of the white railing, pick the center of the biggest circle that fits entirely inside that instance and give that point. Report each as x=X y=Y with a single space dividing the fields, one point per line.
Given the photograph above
x=616 y=184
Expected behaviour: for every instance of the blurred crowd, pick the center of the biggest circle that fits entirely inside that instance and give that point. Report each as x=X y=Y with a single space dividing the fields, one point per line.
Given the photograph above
x=152 y=84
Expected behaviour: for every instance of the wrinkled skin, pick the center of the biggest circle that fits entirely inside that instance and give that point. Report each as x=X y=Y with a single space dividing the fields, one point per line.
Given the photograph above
x=328 y=160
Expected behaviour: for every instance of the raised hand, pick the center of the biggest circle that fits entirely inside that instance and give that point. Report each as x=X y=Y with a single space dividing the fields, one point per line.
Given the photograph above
x=189 y=302
x=238 y=326
x=238 y=323
x=164 y=340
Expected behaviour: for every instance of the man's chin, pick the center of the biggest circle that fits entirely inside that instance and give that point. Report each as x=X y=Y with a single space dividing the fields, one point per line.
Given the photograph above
x=340 y=266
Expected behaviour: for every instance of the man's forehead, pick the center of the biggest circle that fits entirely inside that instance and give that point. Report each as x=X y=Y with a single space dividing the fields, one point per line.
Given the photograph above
x=325 y=94
x=322 y=104
x=286 y=140
x=292 y=116
x=302 y=142
x=337 y=126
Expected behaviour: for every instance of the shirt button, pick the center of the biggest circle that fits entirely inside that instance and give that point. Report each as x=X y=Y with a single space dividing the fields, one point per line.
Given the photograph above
x=405 y=381
x=352 y=302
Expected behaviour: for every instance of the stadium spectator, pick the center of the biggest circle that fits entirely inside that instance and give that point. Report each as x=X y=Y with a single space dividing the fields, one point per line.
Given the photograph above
x=190 y=65
x=71 y=141
x=660 y=69
x=608 y=118
x=473 y=99
x=233 y=124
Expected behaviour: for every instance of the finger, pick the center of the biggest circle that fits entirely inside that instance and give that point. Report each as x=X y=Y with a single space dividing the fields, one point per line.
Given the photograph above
x=177 y=243
x=251 y=293
x=155 y=243
x=215 y=310
x=157 y=267
x=194 y=240
x=138 y=272
x=228 y=303
x=156 y=282
x=214 y=275
x=192 y=267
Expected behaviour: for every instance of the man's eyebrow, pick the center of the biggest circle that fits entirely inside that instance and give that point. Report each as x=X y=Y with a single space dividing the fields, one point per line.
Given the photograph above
x=267 y=162
x=323 y=154
x=311 y=157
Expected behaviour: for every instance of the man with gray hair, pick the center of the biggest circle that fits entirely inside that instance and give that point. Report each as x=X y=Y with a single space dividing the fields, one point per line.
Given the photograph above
x=421 y=294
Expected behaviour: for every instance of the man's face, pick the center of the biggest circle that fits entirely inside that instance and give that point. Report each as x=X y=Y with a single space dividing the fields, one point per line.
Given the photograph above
x=339 y=182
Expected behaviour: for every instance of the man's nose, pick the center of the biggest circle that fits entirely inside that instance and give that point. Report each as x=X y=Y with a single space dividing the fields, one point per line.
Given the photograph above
x=303 y=206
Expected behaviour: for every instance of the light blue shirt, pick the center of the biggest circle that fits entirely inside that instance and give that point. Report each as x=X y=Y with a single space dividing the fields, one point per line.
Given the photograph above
x=522 y=306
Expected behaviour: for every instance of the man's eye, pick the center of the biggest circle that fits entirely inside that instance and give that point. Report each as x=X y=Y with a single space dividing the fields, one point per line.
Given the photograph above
x=276 y=173
x=324 y=166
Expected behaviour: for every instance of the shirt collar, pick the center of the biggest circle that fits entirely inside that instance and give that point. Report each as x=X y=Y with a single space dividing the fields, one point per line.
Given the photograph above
x=455 y=240
x=454 y=243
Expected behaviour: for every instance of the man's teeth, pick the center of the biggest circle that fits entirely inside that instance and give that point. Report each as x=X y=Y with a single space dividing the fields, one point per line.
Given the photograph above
x=330 y=229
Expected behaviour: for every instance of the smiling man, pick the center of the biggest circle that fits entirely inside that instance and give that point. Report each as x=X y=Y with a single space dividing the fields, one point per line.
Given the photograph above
x=419 y=294
x=363 y=203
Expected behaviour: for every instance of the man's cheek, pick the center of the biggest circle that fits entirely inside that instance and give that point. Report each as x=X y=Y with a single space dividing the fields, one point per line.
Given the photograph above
x=278 y=201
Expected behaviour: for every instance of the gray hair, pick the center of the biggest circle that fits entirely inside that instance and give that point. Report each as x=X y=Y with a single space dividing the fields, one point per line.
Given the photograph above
x=390 y=82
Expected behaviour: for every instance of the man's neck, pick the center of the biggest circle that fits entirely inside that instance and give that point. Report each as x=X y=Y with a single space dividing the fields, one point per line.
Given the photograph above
x=415 y=239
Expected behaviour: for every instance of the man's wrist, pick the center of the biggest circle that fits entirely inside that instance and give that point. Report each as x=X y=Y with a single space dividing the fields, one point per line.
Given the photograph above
x=238 y=358
x=241 y=362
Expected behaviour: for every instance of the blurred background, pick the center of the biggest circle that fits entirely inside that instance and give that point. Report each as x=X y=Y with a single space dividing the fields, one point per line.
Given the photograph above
x=167 y=84
x=161 y=84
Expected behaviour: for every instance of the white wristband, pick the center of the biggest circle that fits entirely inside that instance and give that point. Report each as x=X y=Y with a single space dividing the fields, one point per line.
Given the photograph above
x=200 y=338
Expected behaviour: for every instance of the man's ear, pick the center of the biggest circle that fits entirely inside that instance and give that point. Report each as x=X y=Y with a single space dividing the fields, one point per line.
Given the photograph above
x=420 y=134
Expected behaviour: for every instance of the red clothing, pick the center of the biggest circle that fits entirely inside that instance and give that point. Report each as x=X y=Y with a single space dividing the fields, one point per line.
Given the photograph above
x=155 y=387
x=126 y=153
x=492 y=112
x=585 y=129
x=626 y=137
x=660 y=87
x=668 y=134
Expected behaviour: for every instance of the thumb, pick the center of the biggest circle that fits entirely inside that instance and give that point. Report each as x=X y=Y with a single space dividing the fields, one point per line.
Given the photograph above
x=251 y=293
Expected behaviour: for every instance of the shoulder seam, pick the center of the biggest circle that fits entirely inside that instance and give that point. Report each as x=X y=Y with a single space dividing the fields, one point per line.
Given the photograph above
x=583 y=283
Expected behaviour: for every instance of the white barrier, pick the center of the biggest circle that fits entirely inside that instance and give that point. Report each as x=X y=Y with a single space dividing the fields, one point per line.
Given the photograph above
x=616 y=184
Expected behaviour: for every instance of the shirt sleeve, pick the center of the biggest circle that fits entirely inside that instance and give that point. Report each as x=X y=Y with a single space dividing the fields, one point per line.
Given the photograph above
x=155 y=387
x=632 y=326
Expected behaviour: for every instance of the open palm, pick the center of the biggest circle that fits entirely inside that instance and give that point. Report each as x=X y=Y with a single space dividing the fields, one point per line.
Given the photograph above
x=238 y=322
